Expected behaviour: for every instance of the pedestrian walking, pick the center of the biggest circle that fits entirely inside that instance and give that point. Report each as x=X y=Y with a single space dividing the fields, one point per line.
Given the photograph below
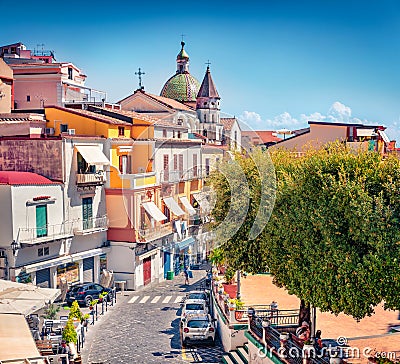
x=186 y=273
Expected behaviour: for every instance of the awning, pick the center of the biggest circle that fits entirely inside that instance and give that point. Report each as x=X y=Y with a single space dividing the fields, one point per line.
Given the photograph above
x=21 y=291
x=147 y=253
x=185 y=243
x=366 y=132
x=384 y=136
x=16 y=338
x=92 y=155
x=154 y=211
x=173 y=206
x=201 y=198
x=189 y=208
x=87 y=254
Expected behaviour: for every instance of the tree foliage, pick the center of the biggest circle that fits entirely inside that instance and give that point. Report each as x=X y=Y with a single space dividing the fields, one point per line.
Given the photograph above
x=333 y=236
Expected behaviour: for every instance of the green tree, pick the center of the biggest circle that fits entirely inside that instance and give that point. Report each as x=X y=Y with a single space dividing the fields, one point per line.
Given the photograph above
x=69 y=334
x=333 y=236
x=75 y=311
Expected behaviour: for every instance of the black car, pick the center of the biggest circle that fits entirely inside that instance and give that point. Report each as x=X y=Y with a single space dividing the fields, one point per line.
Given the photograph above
x=86 y=292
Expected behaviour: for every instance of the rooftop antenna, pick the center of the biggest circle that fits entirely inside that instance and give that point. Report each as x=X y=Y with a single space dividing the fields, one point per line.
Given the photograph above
x=140 y=73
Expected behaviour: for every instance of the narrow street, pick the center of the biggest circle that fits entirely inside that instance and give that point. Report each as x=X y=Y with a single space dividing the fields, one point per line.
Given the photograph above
x=144 y=328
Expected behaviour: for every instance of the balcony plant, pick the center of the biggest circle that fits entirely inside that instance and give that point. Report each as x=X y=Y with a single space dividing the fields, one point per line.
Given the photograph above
x=102 y=295
x=85 y=319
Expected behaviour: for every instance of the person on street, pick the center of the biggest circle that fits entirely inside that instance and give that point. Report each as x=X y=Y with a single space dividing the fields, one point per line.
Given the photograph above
x=186 y=273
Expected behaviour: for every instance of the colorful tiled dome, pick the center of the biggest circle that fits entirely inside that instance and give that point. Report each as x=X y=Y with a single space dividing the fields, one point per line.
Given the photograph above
x=181 y=87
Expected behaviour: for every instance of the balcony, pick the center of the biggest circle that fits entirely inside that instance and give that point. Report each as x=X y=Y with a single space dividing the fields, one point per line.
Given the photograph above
x=90 y=226
x=139 y=180
x=180 y=176
x=154 y=233
x=46 y=233
x=98 y=178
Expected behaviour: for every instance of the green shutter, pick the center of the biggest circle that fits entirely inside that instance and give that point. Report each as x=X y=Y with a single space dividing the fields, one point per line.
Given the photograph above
x=87 y=213
x=41 y=221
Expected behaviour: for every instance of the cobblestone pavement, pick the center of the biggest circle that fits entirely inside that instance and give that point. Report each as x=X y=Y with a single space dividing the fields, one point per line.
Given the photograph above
x=144 y=328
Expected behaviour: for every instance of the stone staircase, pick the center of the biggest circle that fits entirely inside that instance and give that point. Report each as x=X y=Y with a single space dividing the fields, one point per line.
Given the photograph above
x=238 y=356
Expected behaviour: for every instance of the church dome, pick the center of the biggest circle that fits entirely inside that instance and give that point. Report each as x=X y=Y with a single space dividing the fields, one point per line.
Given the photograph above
x=181 y=87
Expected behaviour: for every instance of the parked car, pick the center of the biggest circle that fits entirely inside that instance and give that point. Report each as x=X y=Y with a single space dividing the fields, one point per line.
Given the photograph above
x=197 y=295
x=194 y=307
x=85 y=293
x=198 y=328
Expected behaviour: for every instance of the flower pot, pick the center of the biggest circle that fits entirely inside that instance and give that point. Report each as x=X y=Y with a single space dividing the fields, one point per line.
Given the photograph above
x=90 y=307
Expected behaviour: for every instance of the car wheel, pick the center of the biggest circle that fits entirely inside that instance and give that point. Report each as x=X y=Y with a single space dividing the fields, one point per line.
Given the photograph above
x=88 y=299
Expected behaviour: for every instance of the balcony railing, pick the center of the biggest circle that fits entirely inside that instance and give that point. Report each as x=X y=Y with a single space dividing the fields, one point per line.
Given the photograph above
x=98 y=178
x=180 y=176
x=94 y=224
x=45 y=233
x=154 y=233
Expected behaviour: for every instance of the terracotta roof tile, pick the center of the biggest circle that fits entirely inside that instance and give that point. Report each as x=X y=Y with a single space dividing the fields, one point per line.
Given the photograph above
x=260 y=136
x=227 y=123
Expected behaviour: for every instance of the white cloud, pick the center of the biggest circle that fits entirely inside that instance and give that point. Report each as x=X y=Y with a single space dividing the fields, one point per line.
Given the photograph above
x=250 y=117
x=339 y=112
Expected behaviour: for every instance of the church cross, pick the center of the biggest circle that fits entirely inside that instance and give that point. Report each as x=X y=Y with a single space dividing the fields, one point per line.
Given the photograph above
x=183 y=35
x=140 y=73
x=208 y=63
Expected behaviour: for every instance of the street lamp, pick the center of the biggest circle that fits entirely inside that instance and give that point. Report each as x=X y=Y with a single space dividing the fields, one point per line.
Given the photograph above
x=14 y=247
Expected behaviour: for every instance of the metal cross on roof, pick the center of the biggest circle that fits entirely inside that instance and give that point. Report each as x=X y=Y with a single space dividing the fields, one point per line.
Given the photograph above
x=140 y=73
x=183 y=35
x=208 y=63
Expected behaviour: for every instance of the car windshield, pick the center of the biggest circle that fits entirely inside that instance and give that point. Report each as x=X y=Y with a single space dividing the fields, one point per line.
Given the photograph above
x=198 y=324
x=194 y=306
x=197 y=296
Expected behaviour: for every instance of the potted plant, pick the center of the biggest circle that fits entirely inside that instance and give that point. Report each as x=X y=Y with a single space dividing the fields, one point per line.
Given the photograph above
x=102 y=295
x=71 y=337
x=50 y=312
x=92 y=304
x=85 y=319
x=75 y=312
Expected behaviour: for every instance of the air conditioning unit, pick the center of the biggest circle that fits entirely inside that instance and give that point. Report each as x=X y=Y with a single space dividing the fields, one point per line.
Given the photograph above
x=71 y=131
x=49 y=131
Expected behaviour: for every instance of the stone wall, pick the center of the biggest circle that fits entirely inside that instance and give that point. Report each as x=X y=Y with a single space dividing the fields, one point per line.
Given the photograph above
x=41 y=156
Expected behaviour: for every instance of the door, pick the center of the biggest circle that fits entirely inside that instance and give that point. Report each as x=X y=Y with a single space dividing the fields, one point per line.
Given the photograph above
x=88 y=269
x=147 y=270
x=167 y=263
x=87 y=213
x=43 y=278
x=41 y=221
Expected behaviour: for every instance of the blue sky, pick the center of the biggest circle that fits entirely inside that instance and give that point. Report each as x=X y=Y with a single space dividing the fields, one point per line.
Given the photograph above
x=275 y=63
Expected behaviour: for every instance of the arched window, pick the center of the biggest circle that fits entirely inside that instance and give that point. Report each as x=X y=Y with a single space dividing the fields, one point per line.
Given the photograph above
x=213 y=118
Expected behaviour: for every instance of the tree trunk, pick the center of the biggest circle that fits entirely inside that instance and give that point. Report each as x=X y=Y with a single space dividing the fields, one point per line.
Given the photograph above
x=305 y=313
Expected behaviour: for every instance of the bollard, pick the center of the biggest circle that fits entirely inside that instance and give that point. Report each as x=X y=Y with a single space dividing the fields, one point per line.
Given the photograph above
x=102 y=307
x=96 y=313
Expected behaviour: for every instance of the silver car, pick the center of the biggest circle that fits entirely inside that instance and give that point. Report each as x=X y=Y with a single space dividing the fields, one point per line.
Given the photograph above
x=198 y=328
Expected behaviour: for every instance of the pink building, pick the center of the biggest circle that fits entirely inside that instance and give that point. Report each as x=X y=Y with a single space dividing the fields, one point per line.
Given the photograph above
x=6 y=87
x=39 y=80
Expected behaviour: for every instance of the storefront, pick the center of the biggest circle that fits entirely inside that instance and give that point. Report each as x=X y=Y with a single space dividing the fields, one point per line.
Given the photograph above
x=183 y=254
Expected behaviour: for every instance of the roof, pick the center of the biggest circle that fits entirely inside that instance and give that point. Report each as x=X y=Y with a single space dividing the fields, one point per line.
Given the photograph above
x=128 y=113
x=265 y=136
x=181 y=87
x=21 y=117
x=171 y=103
x=182 y=54
x=207 y=88
x=227 y=123
x=23 y=178
x=92 y=115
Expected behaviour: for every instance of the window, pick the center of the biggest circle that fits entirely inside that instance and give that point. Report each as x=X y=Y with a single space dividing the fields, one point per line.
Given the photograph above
x=121 y=131
x=173 y=133
x=205 y=118
x=180 y=122
x=164 y=133
x=207 y=166
x=87 y=213
x=213 y=118
x=175 y=162
x=125 y=164
x=13 y=50
x=194 y=165
x=70 y=73
x=166 y=167
x=181 y=162
x=83 y=167
x=28 y=98
x=41 y=221
x=179 y=134
x=43 y=251
x=63 y=128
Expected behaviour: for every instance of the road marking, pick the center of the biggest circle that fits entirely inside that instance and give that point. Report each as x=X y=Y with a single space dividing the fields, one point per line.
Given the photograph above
x=184 y=356
x=133 y=299
x=155 y=299
x=166 y=299
x=178 y=299
x=144 y=299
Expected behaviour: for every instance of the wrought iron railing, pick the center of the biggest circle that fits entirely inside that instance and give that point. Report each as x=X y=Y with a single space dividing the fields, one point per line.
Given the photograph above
x=157 y=231
x=47 y=232
x=93 y=223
